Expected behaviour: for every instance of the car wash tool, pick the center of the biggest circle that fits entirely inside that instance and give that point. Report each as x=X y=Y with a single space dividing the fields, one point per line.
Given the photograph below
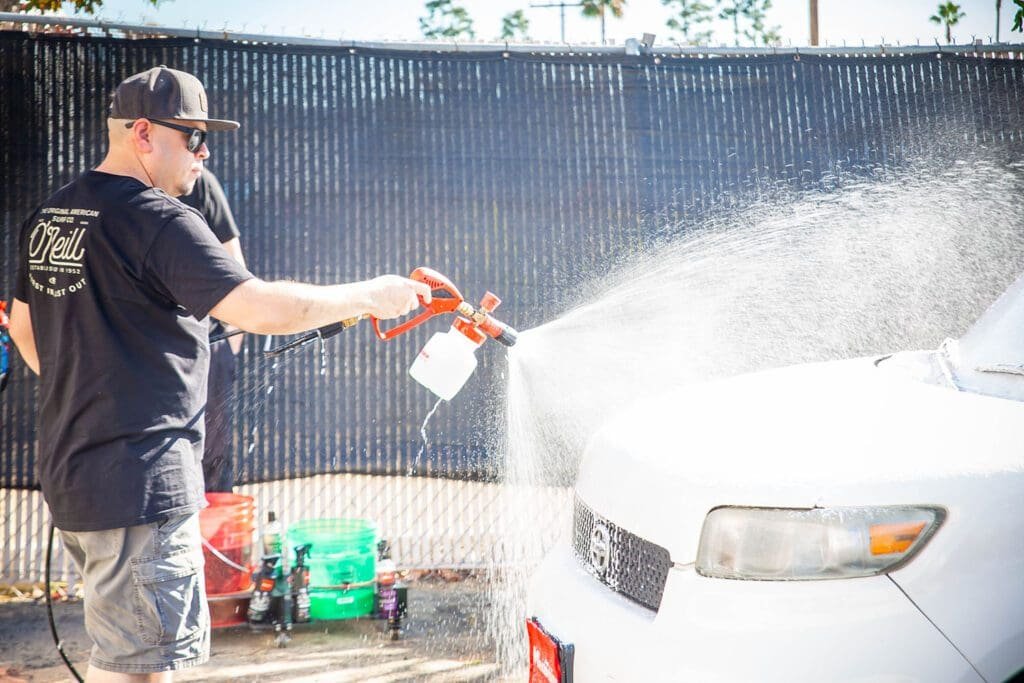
x=474 y=323
x=446 y=298
x=264 y=582
x=271 y=539
x=299 y=582
x=5 y=345
x=449 y=358
x=391 y=596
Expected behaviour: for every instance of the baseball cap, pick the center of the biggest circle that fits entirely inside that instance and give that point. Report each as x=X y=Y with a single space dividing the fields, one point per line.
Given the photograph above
x=162 y=93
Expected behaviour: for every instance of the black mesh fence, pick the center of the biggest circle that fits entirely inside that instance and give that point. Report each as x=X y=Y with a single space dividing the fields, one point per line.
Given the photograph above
x=518 y=173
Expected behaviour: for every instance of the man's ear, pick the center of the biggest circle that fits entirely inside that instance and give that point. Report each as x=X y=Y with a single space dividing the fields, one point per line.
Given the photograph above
x=141 y=133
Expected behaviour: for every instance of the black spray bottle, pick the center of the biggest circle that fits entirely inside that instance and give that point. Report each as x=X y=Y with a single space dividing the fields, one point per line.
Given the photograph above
x=263 y=580
x=300 y=584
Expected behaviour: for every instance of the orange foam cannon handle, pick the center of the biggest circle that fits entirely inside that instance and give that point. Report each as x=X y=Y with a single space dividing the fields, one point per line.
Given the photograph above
x=445 y=299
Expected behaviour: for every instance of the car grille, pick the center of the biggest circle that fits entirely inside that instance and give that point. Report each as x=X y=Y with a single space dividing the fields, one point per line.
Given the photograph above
x=620 y=560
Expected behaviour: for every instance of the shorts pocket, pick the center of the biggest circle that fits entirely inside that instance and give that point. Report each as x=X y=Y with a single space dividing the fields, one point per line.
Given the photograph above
x=168 y=597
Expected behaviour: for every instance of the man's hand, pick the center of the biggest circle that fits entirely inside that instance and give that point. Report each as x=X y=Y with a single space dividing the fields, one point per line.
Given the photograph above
x=392 y=296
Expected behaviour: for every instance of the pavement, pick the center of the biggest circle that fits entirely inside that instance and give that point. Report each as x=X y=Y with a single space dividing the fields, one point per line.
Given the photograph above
x=444 y=638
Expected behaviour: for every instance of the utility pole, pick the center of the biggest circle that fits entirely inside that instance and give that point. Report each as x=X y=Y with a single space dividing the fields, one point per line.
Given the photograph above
x=561 y=7
x=999 y=6
x=814 y=23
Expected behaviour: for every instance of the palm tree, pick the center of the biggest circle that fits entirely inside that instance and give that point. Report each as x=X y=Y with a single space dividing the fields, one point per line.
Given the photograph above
x=596 y=8
x=949 y=14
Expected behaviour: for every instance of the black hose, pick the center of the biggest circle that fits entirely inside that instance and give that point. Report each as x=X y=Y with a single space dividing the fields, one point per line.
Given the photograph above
x=321 y=333
x=224 y=335
x=49 y=611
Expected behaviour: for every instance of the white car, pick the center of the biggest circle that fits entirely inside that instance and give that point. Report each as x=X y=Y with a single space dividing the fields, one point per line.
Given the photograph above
x=858 y=520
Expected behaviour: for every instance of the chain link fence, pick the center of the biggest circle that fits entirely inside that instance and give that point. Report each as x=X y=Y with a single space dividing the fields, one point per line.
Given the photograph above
x=522 y=171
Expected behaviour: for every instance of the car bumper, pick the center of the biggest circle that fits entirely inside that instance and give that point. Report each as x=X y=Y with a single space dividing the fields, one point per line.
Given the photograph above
x=723 y=630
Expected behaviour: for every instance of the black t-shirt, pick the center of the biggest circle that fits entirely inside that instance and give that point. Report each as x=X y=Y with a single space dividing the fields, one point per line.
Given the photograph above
x=120 y=278
x=207 y=197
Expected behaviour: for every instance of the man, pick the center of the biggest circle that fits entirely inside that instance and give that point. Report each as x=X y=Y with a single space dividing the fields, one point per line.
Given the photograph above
x=115 y=282
x=207 y=197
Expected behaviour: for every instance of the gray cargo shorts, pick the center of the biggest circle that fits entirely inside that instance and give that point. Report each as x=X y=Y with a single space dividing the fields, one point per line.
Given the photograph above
x=145 y=596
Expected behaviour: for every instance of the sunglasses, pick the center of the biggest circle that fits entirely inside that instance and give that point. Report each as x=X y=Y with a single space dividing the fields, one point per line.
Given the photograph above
x=196 y=136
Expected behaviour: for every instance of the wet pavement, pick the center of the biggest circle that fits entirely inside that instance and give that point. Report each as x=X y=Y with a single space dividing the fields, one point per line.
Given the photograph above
x=444 y=639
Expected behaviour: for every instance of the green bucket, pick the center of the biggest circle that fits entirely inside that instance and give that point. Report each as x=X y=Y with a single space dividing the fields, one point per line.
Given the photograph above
x=344 y=551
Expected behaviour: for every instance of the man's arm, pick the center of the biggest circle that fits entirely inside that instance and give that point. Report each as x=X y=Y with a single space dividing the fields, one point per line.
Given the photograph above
x=290 y=307
x=234 y=247
x=22 y=336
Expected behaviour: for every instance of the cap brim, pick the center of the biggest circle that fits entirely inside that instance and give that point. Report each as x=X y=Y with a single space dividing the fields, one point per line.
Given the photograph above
x=216 y=124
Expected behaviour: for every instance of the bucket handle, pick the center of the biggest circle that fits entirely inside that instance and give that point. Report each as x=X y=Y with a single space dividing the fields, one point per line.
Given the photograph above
x=216 y=553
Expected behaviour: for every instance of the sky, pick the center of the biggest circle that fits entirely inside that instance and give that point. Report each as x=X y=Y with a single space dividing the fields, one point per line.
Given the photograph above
x=840 y=21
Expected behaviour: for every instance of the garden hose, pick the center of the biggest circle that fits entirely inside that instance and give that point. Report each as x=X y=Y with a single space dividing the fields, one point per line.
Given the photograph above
x=49 y=611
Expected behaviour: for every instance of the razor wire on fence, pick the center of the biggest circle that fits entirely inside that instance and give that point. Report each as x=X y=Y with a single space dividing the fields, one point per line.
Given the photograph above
x=521 y=173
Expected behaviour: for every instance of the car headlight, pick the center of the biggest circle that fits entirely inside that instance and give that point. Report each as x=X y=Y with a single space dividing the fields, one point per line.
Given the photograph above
x=777 y=544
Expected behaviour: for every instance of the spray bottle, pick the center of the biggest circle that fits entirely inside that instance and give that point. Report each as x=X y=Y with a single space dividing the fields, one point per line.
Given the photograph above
x=391 y=594
x=264 y=581
x=272 y=535
x=299 y=580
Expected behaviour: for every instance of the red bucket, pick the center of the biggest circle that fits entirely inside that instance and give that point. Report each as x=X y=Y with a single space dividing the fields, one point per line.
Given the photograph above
x=227 y=525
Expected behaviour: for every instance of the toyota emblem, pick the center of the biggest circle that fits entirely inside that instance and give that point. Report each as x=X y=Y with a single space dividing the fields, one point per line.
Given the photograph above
x=600 y=548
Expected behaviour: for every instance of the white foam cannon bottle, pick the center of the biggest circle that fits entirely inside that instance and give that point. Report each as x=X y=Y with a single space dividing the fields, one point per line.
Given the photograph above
x=449 y=358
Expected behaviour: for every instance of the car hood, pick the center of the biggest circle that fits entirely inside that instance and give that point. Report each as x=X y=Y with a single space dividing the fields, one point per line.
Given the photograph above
x=824 y=434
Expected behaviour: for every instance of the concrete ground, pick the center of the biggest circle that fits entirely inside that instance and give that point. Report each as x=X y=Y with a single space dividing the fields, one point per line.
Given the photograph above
x=444 y=639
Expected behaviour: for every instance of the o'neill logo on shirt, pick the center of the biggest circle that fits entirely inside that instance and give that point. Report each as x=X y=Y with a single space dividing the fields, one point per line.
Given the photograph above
x=56 y=250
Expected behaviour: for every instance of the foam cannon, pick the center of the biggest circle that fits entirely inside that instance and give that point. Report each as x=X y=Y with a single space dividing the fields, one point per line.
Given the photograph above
x=448 y=359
